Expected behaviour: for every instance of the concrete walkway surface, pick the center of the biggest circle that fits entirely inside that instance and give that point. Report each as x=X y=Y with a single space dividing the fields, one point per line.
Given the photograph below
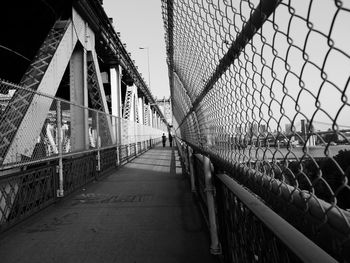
x=143 y=212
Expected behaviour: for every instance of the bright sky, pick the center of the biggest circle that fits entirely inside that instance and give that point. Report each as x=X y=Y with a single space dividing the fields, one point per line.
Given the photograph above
x=140 y=25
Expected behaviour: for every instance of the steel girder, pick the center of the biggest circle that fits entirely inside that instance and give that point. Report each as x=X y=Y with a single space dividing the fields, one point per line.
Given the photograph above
x=26 y=112
x=131 y=105
x=23 y=118
x=98 y=98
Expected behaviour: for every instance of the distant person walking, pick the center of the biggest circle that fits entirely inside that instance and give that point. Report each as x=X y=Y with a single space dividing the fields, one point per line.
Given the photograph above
x=170 y=140
x=163 y=139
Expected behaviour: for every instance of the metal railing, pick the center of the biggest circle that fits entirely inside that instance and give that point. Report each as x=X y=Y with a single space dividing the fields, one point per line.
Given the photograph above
x=74 y=146
x=68 y=129
x=243 y=226
x=262 y=88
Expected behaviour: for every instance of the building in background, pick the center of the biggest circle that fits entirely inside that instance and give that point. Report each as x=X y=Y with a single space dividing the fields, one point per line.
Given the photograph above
x=165 y=107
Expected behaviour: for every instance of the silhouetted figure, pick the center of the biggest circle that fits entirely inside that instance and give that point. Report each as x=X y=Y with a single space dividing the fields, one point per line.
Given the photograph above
x=170 y=140
x=163 y=139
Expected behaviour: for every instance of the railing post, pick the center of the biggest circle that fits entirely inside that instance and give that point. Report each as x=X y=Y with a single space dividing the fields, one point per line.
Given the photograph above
x=135 y=138
x=118 y=157
x=60 y=191
x=98 y=157
x=191 y=166
x=215 y=247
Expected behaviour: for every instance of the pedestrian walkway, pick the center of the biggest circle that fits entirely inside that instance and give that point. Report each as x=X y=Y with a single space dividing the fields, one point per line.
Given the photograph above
x=143 y=212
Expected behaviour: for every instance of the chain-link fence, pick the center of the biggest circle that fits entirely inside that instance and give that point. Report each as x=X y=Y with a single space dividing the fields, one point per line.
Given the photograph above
x=64 y=129
x=263 y=88
x=57 y=147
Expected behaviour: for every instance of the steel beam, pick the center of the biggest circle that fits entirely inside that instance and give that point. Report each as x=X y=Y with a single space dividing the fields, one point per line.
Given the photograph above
x=98 y=98
x=115 y=81
x=78 y=92
x=24 y=141
x=140 y=111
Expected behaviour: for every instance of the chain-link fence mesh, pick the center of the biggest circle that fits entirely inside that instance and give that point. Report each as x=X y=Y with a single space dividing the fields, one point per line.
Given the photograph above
x=65 y=128
x=264 y=87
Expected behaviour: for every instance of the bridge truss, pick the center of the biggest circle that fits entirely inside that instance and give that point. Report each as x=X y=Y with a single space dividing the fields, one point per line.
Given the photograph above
x=63 y=124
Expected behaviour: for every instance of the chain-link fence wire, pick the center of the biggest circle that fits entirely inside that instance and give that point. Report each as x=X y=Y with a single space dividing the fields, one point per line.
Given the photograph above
x=52 y=125
x=105 y=127
x=264 y=85
x=35 y=138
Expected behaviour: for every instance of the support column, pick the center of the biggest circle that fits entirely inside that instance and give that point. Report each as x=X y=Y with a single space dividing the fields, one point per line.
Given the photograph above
x=153 y=119
x=149 y=115
x=135 y=106
x=115 y=80
x=145 y=111
x=79 y=95
x=141 y=112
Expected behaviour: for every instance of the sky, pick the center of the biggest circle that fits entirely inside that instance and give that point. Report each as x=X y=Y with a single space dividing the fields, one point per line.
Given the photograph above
x=140 y=25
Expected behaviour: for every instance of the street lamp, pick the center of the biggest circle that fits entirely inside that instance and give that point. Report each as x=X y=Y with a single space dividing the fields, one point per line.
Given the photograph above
x=149 y=75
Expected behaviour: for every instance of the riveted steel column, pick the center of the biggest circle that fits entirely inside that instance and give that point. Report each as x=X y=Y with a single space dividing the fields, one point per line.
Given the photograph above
x=115 y=81
x=215 y=247
x=78 y=94
x=141 y=110
x=120 y=108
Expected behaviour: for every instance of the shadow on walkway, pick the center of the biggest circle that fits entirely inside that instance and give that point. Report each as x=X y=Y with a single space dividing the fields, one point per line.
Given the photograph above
x=144 y=212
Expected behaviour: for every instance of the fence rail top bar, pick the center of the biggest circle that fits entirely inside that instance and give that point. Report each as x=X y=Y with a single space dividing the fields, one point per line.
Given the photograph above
x=303 y=247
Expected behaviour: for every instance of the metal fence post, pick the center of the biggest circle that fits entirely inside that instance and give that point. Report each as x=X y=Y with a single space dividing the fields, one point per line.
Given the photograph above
x=60 y=191
x=191 y=166
x=215 y=247
x=118 y=157
x=98 y=167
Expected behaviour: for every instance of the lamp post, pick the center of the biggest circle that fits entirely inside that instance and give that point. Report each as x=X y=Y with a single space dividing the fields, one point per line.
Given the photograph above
x=149 y=75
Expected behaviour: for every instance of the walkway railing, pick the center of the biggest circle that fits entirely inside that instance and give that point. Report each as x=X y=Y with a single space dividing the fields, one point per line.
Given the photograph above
x=74 y=146
x=262 y=88
x=70 y=129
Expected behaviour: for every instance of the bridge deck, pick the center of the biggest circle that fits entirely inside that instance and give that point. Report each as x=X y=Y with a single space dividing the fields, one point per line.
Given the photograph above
x=144 y=212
